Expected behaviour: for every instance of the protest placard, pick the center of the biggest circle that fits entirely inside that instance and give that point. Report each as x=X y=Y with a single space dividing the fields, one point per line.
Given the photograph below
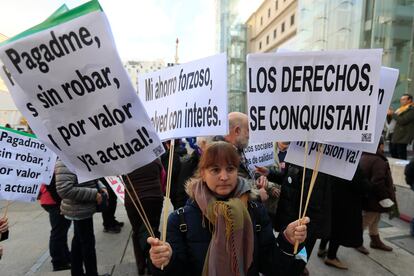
x=335 y=160
x=187 y=100
x=116 y=184
x=314 y=96
x=388 y=80
x=259 y=155
x=25 y=164
x=66 y=77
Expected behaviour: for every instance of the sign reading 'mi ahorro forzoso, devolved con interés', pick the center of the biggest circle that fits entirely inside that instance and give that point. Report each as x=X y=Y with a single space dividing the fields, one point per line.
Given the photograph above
x=314 y=96
x=68 y=81
x=25 y=164
x=188 y=99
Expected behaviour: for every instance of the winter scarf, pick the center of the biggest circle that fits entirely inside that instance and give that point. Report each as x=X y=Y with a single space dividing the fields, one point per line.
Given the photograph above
x=403 y=108
x=231 y=247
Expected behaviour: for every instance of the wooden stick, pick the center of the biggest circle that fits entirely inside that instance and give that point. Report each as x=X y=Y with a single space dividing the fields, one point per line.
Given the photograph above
x=167 y=193
x=167 y=190
x=295 y=250
x=7 y=208
x=148 y=226
x=313 y=179
x=141 y=206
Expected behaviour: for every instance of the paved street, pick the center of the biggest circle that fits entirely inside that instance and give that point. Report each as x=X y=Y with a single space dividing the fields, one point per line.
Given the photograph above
x=26 y=251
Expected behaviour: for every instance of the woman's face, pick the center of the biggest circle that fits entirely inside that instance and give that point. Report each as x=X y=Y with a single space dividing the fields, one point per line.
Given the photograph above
x=220 y=179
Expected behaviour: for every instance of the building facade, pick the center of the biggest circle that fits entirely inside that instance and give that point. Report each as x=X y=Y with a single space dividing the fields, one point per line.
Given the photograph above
x=386 y=24
x=231 y=39
x=271 y=25
x=134 y=68
x=312 y=25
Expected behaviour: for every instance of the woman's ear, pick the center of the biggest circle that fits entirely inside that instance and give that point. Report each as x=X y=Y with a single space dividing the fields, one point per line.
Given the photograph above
x=202 y=174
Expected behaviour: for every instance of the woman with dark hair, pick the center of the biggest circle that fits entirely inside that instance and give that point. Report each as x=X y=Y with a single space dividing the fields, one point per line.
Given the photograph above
x=222 y=230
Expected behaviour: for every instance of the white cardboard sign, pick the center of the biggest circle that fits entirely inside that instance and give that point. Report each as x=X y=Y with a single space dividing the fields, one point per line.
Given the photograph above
x=70 y=84
x=388 y=80
x=259 y=155
x=116 y=184
x=325 y=95
x=187 y=100
x=25 y=164
x=335 y=160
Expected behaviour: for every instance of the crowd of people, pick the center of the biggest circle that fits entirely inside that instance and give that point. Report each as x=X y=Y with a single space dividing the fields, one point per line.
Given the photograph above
x=228 y=219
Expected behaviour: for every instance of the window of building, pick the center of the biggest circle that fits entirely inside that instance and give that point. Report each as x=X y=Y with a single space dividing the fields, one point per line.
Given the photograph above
x=260 y=45
x=261 y=20
x=268 y=12
x=292 y=20
x=276 y=5
x=267 y=40
x=283 y=27
x=274 y=33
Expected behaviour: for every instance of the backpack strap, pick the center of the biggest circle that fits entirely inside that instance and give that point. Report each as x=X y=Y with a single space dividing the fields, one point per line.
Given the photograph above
x=183 y=224
x=256 y=215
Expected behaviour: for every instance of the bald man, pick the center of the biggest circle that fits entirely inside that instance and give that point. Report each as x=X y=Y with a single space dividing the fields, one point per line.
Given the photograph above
x=238 y=130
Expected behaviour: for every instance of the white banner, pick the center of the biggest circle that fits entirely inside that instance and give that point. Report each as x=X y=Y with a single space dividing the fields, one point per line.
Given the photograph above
x=260 y=155
x=187 y=100
x=70 y=84
x=117 y=186
x=25 y=164
x=315 y=96
x=335 y=160
x=388 y=80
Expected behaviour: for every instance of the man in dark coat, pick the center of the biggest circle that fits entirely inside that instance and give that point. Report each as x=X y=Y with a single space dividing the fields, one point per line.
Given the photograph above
x=404 y=127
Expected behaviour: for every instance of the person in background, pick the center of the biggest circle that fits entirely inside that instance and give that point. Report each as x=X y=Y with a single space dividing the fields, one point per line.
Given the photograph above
x=404 y=126
x=110 y=224
x=58 y=241
x=227 y=231
x=4 y=227
x=7 y=125
x=188 y=168
x=389 y=132
x=346 y=219
x=146 y=181
x=79 y=203
x=380 y=198
x=275 y=175
x=409 y=178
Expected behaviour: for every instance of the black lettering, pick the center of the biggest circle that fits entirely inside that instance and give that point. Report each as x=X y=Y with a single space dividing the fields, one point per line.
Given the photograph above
x=14 y=58
x=272 y=80
x=365 y=68
x=286 y=79
x=262 y=72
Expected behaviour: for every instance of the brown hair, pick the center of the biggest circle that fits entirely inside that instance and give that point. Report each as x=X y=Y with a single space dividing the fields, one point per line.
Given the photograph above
x=219 y=153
